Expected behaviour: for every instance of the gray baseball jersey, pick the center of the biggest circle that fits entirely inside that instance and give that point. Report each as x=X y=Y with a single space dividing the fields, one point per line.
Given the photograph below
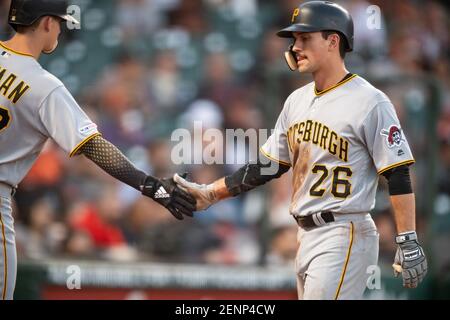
x=34 y=106
x=338 y=141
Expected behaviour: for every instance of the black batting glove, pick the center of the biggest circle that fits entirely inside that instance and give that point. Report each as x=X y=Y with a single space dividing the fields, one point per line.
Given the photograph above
x=169 y=195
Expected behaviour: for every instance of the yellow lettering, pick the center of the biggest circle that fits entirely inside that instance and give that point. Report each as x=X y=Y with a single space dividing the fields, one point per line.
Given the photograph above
x=320 y=135
x=323 y=139
x=295 y=14
x=2 y=73
x=300 y=132
x=7 y=83
x=316 y=132
x=18 y=92
x=307 y=135
x=343 y=150
x=331 y=145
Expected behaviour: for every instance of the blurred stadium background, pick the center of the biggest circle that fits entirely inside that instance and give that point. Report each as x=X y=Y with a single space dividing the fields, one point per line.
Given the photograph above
x=142 y=68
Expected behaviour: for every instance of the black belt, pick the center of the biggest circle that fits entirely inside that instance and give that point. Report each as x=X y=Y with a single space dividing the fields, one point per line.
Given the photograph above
x=315 y=220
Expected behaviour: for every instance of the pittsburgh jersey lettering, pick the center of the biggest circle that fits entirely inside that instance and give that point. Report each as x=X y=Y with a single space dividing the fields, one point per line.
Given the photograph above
x=319 y=135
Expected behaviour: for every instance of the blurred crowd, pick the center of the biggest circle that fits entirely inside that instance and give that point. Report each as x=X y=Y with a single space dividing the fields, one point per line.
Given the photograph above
x=158 y=65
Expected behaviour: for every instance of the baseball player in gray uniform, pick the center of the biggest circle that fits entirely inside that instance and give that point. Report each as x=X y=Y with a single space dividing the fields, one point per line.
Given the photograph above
x=35 y=106
x=339 y=134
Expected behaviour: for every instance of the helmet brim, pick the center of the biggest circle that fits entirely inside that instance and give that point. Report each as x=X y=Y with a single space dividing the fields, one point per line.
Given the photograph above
x=300 y=27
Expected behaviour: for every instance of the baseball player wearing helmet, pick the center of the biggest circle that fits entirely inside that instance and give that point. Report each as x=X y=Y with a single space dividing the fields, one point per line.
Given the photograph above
x=36 y=106
x=339 y=134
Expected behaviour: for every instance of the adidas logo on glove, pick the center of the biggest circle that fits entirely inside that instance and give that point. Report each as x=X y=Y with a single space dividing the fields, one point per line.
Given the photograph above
x=161 y=193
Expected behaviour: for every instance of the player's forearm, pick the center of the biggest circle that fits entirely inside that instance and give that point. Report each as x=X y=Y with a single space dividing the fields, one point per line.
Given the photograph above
x=164 y=191
x=246 y=178
x=109 y=158
x=404 y=212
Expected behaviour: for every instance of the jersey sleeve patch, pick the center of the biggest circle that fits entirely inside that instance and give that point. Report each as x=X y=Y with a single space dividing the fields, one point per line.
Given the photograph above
x=89 y=129
x=394 y=136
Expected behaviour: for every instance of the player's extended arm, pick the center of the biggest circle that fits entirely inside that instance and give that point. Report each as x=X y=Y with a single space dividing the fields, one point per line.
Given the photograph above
x=410 y=259
x=113 y=161
x=404 y=208
x=246 y=178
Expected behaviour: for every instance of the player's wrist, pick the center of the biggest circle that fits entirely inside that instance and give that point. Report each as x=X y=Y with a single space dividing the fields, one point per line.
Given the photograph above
x=220 y=190
x=148 y=186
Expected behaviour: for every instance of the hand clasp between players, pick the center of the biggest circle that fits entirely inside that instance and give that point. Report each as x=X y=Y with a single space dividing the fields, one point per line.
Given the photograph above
x=169 y=195
x=204 y=194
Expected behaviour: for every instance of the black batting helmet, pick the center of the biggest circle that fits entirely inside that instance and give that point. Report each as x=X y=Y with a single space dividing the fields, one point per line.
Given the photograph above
x=26 y=12
x=321 y=16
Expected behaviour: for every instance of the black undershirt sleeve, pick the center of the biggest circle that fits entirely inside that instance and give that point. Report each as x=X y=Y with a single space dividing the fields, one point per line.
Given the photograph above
x=108 y=157
x=253 y=175
x=399 y=180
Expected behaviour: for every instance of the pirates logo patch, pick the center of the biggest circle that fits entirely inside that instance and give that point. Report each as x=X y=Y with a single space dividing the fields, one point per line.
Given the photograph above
x=394 y=136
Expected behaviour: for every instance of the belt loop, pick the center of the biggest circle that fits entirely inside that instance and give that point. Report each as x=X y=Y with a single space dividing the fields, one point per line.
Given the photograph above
x=318 y=220
x=13 y=191
x=315 y=220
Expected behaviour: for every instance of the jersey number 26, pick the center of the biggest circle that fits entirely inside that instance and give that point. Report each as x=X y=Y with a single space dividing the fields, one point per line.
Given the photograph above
x=340 y=186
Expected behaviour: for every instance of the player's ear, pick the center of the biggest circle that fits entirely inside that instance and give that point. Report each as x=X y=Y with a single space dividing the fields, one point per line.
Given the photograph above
x=333 y=41
x=46 y=23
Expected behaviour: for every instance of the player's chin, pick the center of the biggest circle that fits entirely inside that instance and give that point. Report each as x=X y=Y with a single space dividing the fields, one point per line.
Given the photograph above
x=304 y=67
